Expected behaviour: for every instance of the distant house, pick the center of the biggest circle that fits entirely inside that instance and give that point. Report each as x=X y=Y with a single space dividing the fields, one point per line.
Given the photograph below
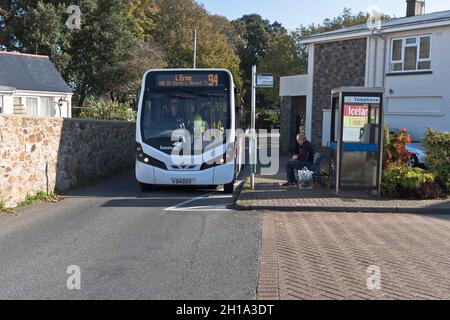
x=408 y=56
x=31 y=85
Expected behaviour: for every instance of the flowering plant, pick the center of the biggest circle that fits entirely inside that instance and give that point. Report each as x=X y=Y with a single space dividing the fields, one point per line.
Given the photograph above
x=395 y=147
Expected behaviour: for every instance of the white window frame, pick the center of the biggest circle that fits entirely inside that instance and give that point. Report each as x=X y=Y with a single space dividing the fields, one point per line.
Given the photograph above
x=1 y=104
x=404 y=46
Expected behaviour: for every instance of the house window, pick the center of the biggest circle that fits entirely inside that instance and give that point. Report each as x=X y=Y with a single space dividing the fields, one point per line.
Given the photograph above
x=31 y=106
x=48 y=107
x=411 y=54
x=18 y=107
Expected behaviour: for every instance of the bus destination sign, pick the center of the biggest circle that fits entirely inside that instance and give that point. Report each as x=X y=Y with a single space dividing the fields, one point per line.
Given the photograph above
x=188 y=80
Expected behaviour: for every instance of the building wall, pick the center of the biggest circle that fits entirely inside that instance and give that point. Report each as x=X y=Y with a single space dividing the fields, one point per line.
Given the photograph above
x=336 y=64
x=48 y=154
x=415 y=102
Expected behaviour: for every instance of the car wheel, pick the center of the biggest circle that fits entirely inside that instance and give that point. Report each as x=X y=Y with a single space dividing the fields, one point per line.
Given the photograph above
x=413 y=161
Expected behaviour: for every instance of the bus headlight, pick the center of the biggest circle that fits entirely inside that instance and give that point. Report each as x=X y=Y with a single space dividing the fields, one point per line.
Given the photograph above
x=144 y=158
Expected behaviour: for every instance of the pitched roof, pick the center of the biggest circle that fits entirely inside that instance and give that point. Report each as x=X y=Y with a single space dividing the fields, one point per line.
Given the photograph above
x=30 y=72
x=385 y=25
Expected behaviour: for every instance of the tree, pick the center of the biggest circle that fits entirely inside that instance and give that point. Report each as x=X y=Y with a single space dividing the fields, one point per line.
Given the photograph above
x=281 y=59
x=175 y=25
x=34 y=27
x=105 y=37
x=142 y=13
x=256 y=34
x=258 y=44
x=126 y=76
x=344 y=20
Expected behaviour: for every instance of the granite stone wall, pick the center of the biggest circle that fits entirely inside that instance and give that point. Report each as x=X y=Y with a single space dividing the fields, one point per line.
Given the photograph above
x=337 y=64
x=52 y=154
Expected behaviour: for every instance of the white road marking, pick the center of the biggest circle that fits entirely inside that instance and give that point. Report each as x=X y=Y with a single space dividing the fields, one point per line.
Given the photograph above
x=209 y=196
x=200 y=209
x=176 y=207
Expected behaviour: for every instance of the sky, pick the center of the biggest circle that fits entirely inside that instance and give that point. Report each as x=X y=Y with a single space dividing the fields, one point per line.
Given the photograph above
x=293 y=13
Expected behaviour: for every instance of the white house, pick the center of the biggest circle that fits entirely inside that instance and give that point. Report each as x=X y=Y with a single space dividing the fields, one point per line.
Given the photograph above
x=408 y=56
x=31 y=85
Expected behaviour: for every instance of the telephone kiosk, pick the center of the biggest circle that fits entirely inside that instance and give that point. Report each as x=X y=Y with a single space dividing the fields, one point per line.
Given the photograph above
x=356 y=139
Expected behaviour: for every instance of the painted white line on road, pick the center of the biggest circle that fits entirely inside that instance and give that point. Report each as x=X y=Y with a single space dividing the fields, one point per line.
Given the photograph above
x=221 y=197
x=200 y=209
x=209 y=196
x=176 y=207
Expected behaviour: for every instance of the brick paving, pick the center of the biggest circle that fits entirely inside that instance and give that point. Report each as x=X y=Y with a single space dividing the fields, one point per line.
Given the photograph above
x=269 y=195
x=314 y=255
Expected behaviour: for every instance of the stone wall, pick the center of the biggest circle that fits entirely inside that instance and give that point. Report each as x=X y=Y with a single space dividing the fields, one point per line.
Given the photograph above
x=337 y=64
x=51 y=154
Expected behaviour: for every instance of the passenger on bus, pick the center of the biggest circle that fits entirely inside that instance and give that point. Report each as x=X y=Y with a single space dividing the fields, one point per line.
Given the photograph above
x=205 y=113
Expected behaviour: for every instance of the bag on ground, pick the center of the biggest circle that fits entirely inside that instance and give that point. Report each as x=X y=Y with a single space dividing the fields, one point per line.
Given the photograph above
x=305 y=179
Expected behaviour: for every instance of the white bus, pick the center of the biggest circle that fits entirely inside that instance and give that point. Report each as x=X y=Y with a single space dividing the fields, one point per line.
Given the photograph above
x=187 y=129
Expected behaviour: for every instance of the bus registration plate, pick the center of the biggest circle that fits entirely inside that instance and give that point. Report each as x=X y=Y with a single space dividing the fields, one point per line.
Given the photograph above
x=183 y=181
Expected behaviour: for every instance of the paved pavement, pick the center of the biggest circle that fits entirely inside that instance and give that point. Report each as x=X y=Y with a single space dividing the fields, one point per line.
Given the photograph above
x=166 y=244
x=311 y=255
x=269 y=195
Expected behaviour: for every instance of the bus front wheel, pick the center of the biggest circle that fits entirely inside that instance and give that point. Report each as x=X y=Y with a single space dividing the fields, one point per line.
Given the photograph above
x=145 y=187
x=229 y=187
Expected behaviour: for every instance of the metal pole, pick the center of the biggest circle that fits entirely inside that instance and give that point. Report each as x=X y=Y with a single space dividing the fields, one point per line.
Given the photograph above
x=195 y=49
x=253 y=141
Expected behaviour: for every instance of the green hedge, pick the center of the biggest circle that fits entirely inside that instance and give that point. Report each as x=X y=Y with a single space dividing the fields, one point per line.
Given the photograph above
x=108 y=110
x=406 y=182
x=437 y=145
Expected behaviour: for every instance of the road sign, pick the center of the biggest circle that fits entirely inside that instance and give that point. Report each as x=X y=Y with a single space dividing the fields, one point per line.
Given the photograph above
x=264 y=81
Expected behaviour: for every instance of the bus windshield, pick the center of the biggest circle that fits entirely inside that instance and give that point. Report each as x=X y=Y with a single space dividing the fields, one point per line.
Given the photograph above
x=199 y=110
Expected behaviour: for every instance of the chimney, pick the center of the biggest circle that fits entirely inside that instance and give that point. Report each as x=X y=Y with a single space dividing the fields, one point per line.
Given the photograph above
x=415 y=7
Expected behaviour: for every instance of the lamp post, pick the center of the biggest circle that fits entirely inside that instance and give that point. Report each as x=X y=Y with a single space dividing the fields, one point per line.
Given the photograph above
x=59 y=104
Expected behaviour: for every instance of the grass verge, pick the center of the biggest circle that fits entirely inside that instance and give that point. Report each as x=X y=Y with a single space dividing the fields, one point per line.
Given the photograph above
x=38 y=198
x=4 y=209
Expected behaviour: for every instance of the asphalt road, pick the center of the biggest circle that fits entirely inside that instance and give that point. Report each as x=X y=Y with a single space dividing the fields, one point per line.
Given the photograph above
x=165 y=244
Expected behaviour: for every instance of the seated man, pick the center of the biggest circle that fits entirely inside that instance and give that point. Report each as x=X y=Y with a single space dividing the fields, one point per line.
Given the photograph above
x=303 y=157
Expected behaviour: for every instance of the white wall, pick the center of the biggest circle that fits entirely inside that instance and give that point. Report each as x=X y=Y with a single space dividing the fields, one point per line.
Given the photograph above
x=7 y=103
x=292 y=86
x=309 y=97
x=414 y=102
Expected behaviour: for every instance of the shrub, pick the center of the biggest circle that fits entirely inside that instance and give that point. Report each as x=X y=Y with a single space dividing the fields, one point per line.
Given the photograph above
x=395 y=147
x=406 y=182
x=108 y=110
x=437 y=145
